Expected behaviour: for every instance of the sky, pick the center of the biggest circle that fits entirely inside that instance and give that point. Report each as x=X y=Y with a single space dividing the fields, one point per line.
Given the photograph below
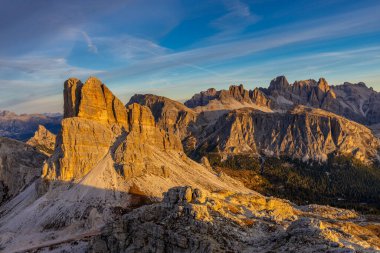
x=178 y=48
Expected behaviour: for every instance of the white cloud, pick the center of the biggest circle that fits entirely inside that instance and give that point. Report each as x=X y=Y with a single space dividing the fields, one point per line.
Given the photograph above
x=347 y=24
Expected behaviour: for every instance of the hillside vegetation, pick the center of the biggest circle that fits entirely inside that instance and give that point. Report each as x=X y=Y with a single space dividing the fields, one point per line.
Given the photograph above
x=341 y=181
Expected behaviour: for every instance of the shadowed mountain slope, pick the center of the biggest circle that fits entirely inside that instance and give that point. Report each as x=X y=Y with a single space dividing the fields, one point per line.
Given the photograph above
x=20 y=165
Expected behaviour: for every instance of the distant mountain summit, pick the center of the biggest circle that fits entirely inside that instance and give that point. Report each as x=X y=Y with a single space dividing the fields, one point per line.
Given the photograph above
x=22 y=127
x=308 y=92
x=233 y=98
x=353 y=101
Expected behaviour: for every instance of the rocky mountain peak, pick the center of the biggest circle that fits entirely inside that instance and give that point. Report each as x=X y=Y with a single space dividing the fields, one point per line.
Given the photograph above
x=279 y=83
x=323 y=85
x=211 y=91
x=303 y=133
x=170 y=115
x=236 y=88
x=43 y=140
x=239 y=93
x=97 y=125
x=235 y=97
x=92 y=100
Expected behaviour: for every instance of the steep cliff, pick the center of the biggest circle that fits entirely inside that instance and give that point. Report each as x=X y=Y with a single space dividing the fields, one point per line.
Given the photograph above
x=170 y=115
x=302 y=133
x=110 y=161
x=96 y=123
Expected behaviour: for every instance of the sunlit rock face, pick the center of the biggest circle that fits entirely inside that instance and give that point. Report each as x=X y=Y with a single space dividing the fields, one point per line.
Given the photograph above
x=92 y=100
x=95 y=124
x=302 y=133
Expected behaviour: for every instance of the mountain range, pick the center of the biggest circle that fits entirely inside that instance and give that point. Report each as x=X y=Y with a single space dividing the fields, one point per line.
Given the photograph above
x=23 y=126
x=156 y=175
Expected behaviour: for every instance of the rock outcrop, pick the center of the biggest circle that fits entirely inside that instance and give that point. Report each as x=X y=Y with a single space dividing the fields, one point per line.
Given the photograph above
x=92 y=100
x=43 y=140
x=189 y=221
x=20 y=165
x=22 y=127
x=170 y=115
x=97 y=123
x=302 y=133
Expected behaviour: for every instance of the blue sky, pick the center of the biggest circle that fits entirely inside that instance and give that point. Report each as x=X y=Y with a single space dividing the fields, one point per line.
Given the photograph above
x=177 y=48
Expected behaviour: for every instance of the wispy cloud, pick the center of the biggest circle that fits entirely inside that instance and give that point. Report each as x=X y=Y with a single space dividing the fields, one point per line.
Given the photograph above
x=237 y=18
x=340 y=26
x=35 y=78
x=91 y=47
x=129 y=47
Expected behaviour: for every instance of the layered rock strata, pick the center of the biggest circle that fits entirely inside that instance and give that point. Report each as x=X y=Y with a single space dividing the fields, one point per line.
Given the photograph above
x=97 y=123
x=302 y=133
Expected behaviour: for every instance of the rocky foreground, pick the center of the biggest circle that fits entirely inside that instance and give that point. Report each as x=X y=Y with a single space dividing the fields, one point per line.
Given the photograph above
x=120 y=181
x=187 y=220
